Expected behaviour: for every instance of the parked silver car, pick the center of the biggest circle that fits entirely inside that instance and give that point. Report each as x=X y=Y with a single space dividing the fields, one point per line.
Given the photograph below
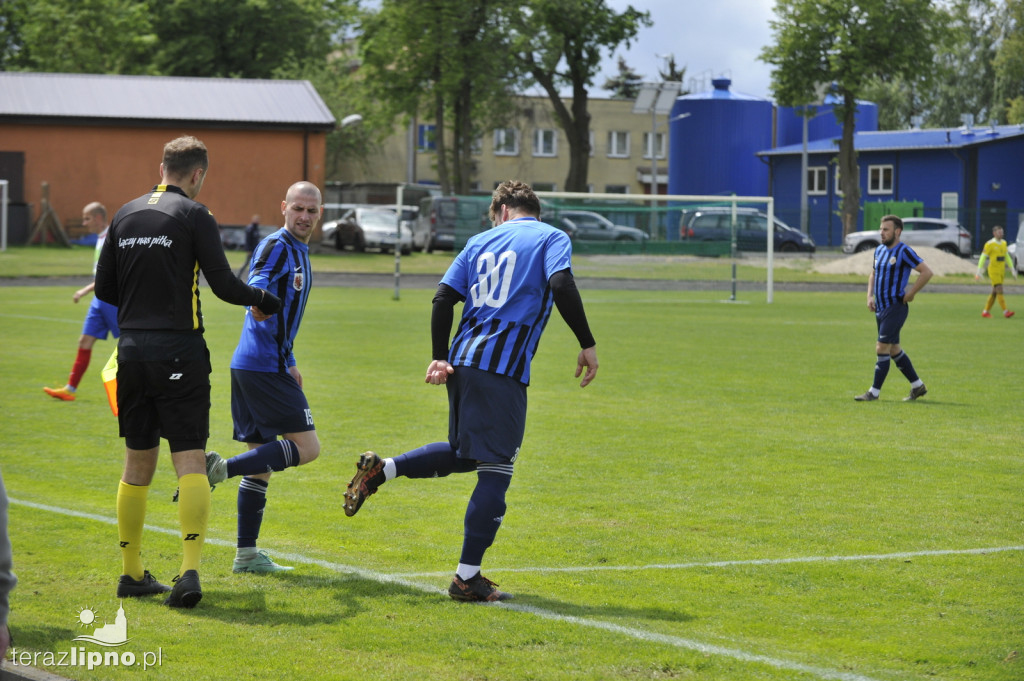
x=945 y=235
x=365 y=227
x=1017 y=251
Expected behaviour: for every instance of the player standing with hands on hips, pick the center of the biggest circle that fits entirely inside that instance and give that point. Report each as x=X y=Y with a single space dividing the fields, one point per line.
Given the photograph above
x=888 y=298
x=149 y=268
x=508 y=279
x=997 y=253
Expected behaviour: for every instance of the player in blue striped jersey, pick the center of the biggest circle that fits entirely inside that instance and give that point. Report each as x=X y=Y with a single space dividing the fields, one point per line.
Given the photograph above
x=267 y=401
x=508 y=279
x=888 y=298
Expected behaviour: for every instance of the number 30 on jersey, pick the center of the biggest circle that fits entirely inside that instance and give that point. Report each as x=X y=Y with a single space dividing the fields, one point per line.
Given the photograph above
x=494 y=277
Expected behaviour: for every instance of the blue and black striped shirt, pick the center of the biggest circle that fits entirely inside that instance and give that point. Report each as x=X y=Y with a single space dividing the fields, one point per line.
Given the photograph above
x=503 y=274
x=892 y=272
x=280 y=264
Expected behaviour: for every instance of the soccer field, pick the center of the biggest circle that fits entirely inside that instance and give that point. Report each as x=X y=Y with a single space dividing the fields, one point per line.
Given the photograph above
x=714 y=506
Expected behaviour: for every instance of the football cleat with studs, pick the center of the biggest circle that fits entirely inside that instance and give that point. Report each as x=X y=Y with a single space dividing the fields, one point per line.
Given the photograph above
x=477 y=588
x=369 y=476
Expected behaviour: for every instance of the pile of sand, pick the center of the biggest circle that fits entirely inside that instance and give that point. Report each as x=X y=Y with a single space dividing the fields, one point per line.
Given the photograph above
x=940 y=262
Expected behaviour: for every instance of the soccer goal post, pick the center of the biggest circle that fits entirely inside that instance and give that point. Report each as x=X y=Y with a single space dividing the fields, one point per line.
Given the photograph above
x=658 y=216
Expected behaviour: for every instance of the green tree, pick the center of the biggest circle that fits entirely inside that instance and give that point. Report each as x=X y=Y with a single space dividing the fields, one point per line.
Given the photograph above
x=672 y=73
x=443 y=57
x=962 y=78
x=848 y=43
x=341 y=92
x=625 y=84
x=559 y=43
x=244 y=38
x=76 y=36
x=1009 y=66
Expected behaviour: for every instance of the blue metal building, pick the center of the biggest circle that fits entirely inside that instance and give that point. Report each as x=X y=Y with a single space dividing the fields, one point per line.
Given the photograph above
x=822 y=124
x=714 y=137
x=973 y=174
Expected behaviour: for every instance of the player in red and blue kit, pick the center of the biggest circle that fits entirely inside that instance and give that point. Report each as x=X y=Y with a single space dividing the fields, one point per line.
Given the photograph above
x=267 y=402
x=508 y=278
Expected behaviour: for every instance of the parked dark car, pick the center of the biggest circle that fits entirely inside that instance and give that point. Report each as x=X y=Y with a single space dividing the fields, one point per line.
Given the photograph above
x=365 y=227
x=715 y=224
x=435 y=224
x=446 y=222
x=585 y=225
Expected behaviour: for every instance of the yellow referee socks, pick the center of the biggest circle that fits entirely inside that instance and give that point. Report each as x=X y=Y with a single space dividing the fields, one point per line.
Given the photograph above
x=193 y=514
x=990 y=301
x=131 y=516
x=1002 y=301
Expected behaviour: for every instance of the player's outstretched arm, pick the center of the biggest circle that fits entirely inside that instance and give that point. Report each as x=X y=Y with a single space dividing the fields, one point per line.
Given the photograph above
x=587 y=359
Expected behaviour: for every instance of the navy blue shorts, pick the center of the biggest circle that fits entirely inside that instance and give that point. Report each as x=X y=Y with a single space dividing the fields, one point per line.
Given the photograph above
x=486 y=415
x=890 y=322
x=100 y=320
x=265 y=405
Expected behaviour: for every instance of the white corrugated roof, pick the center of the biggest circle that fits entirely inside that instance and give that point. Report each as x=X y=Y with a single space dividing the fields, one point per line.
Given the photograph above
x=162 y=98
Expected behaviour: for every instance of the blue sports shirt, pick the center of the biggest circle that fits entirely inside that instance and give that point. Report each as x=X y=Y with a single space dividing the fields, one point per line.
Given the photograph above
x=280 y=264
x=892 y=272
x=503 y=274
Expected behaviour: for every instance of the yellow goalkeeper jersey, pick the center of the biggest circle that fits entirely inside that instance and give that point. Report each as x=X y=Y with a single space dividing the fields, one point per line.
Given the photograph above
x=996 y=251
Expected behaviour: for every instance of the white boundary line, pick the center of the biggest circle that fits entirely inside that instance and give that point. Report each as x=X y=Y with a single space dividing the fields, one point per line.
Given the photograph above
x=632 y=632
x=731 y=563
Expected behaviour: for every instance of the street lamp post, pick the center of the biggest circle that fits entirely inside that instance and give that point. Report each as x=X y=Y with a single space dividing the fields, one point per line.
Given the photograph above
x=656 y=98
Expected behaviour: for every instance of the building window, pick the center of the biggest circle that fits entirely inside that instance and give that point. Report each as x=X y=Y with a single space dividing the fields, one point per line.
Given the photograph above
x=659 y=144
x=544 y=186
x=426 y=140
x=618 y=144
x=477 y=145
x=506 y=142
x=817 y=180
x=950 y=205
x=590 y=140
x=545 y=142
x=879 y=179
x=616 y=189
x=839 y=187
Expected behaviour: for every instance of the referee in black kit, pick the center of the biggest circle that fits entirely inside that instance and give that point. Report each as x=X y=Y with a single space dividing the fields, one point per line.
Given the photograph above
x=149 y=268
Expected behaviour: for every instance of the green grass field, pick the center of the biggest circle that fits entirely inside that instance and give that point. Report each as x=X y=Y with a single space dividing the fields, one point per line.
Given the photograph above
x=715 y=506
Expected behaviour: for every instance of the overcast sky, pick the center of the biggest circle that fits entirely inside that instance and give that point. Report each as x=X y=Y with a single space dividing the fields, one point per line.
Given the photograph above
x=710 y=38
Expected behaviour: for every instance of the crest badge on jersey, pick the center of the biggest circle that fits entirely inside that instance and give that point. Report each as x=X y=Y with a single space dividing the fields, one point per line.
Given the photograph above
x=297 y=281
x=892 y=260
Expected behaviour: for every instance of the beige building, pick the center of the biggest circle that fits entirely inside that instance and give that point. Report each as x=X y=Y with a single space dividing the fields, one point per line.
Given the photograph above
x=535 y=150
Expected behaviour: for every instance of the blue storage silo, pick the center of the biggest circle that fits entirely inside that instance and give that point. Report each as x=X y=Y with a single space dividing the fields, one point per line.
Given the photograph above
x=713 y=139
x=823 y=123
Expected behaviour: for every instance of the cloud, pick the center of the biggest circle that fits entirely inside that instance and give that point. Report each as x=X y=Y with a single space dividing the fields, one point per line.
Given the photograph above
x=710 y=39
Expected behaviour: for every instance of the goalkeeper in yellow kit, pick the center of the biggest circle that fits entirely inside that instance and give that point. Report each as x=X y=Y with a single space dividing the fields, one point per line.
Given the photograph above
x=998 y=262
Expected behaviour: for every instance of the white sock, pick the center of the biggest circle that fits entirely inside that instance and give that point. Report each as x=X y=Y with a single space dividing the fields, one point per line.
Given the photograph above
x=467 y=571
x=389 y=469
x=245 y=552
